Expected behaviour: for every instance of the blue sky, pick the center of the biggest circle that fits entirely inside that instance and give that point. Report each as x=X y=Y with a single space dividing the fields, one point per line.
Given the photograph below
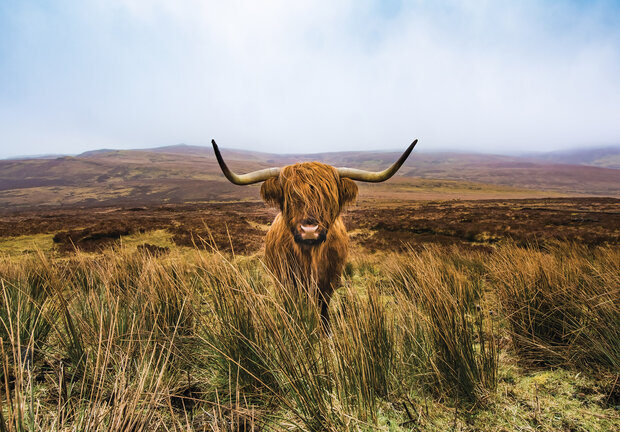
x=308 y=76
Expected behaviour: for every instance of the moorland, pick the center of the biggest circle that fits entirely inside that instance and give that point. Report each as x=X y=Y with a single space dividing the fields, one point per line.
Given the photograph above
x=481 y=293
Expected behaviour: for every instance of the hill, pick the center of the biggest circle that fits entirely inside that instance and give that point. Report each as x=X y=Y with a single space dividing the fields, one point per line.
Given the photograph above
x=182 y=173
x=605 y=157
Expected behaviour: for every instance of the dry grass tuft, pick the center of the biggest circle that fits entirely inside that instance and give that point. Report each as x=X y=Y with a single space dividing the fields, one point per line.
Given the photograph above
x=562 y=303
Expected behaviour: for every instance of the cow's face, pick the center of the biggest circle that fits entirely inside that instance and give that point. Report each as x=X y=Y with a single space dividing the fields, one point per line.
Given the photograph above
x=310 y=195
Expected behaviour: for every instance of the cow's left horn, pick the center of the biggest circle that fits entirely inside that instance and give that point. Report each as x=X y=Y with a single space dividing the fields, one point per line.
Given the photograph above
x=244 y=179
x=376 y=176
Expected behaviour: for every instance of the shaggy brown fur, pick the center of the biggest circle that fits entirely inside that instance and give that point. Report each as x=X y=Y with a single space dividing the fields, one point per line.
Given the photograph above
x=314 y=192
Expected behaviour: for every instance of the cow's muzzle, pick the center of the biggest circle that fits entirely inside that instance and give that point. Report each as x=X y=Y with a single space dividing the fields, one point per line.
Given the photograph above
x=308 y=232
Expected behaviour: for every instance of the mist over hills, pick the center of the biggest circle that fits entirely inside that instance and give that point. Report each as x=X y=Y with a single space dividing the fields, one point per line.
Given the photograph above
x=184 y=173
x=606 y=157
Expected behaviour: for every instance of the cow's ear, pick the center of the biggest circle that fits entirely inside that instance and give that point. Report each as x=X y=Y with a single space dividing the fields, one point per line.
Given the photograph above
x=271 y=191
x=347 y=190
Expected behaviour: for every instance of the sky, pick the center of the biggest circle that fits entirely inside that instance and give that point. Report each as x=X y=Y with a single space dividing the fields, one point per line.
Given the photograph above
x=498 y=76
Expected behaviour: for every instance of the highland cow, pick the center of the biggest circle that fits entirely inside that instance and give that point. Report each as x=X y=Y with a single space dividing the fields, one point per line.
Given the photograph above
x=307 y=242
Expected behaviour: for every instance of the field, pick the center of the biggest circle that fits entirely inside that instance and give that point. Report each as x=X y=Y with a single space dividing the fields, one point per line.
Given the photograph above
x=374 y=225
x=489 y=314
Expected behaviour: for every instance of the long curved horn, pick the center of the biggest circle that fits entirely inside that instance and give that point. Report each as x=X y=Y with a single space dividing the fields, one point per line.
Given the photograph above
x=376 y=176
x=244 y=179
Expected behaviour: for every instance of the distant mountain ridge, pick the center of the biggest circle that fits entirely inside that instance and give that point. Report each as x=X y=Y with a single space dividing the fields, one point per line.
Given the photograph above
x=605 y=157
x=184 y=173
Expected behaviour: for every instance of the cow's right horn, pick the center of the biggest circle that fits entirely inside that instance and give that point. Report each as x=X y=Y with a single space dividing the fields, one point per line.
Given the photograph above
x=376 y=176
x=244 y=179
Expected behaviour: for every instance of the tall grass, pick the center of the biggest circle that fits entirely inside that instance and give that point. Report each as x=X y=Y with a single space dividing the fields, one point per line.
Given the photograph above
x=445 y=323
x=267 y=339
x=113 y=385
x=229 y=326
x=562 y=303
x=27 y=312
x=197 y=340
x=364 y=344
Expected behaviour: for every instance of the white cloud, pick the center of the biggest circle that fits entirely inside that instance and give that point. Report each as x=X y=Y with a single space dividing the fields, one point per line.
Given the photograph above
x=313 y=76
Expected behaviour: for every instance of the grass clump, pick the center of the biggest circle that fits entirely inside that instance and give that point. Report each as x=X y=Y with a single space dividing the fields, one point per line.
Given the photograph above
x=562 y=303
x=453 y=346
